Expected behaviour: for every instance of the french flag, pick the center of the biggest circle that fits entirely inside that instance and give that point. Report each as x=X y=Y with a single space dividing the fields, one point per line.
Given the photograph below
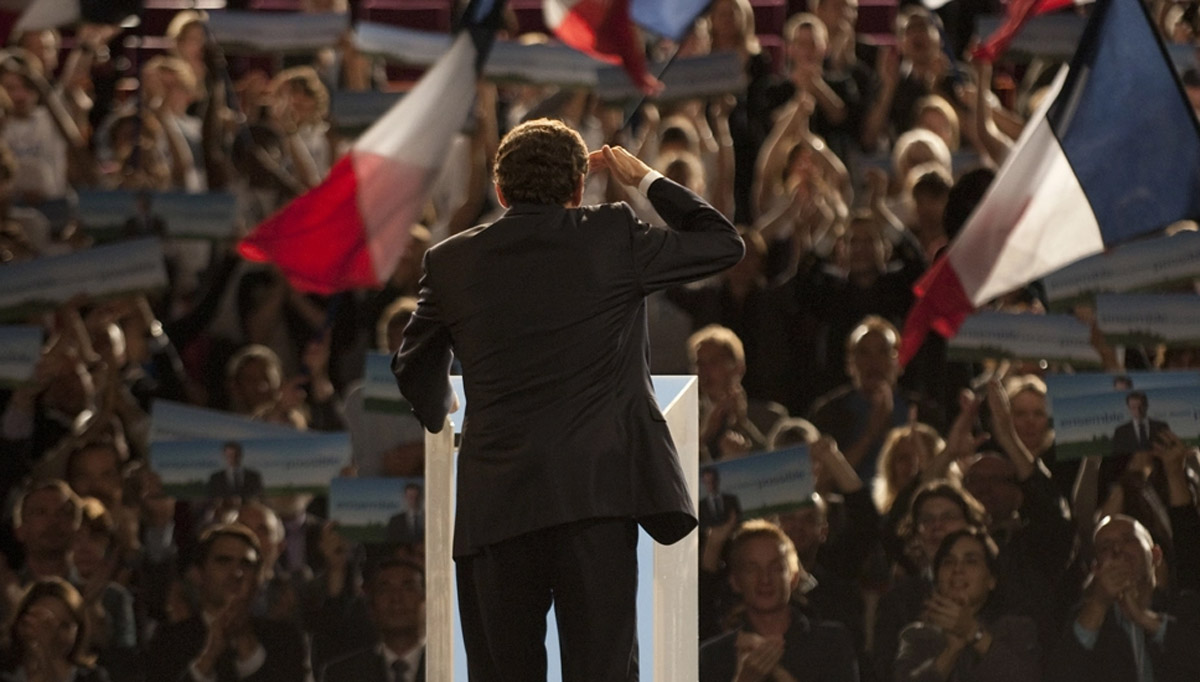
x=1112 y=154
x=604 y=30
x=350 y=231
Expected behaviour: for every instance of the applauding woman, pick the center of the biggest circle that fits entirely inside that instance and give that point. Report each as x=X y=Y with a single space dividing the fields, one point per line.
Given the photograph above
x=48 y=637
x=958 y=638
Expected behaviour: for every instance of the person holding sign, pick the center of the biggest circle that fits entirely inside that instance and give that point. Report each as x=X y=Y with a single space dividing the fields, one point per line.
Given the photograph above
x=564 y=448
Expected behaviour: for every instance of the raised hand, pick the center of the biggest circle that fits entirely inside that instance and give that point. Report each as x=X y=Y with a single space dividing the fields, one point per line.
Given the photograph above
x=622 y=166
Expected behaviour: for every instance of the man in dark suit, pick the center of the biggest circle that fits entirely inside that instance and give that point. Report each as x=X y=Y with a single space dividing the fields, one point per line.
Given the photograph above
x=395 y=594
x=1127 y=627
x=234 y=480
x=564 y=447
x=776 y=638
x=408 y=527
x=715 y=506
x=224 y=643
x=1140 y=432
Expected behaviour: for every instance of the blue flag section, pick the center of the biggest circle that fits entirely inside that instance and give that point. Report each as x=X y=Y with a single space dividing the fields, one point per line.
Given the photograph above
x=1126 y=127
x=668 y=18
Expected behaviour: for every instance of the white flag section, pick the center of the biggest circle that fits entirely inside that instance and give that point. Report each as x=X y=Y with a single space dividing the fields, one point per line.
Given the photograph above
x=1008 y=244
x=397 y=159
x=351 y=230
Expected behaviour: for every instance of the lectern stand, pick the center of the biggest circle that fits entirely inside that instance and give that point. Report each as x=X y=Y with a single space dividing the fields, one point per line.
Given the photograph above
x=667 y=575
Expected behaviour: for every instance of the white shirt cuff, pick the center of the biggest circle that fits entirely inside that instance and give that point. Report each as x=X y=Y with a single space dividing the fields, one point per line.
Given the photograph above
x=197 y=677
x=644 y=185
x=251 y=665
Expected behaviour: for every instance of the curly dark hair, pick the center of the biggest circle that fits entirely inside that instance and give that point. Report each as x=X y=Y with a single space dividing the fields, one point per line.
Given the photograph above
x=540 y=162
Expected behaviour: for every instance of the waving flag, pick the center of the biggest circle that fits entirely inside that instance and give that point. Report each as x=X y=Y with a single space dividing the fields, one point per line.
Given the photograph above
x=1114 y=153
x=604 y=30
x=350 y=231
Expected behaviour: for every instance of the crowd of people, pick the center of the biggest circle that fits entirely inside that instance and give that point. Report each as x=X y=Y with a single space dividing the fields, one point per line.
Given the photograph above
x=945 y=539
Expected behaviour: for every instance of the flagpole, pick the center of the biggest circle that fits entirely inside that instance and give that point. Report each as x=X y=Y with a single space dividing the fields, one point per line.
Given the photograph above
x=630 y=111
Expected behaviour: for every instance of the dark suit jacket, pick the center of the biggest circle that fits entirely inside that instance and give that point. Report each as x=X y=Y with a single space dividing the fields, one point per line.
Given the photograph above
x=1125 y=441
x=398 y=530
x=813 y=650
x=708 y=517
x=175 y=645
x=1177 y=659
x=219 y=485
x=545 y=308
x=365 y=665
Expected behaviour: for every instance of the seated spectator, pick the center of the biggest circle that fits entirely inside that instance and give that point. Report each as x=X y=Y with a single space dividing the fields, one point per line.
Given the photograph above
x=224 y=642
x=834 y=536
x=395 y=596
x=187 y=34
x=960 y=635
x=48 y=637
x=45 y=520
x=1026 y=515
x=255 y=384
x=299 y=107
x=776 y=638
x=927 y=187
x=1126 y=628
x=732 y=424
x=278 y=595
x=935 y=114
x=906 y=452
x=915 y=68
x=48 y=147
x=94 y=470
x=860 y=414
x=938 y=509
x=836 y=94
x=96 y=555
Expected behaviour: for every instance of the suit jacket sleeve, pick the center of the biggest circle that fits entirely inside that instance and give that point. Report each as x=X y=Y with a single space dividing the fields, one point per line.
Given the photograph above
x=702 y=242
x=422 y=365
x=287 y=656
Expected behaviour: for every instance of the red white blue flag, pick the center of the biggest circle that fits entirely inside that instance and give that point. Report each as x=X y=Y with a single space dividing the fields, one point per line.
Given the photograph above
x=1113 y=154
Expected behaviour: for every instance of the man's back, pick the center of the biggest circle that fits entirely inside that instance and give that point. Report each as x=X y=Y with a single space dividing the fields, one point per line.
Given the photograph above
x=545 y=309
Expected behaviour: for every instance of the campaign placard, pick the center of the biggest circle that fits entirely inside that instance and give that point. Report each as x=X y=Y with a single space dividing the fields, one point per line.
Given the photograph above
x=1149 y=319
x=376 y=510
x=1024 y=336
x=353 y=111
x=380 y=393
x=110 y=215
x=1059 y=386
x=1152 y=265
x=759 y=484
x=20 y=350
x=111 y=271
x=1102 y=423
x=557 y=64
x=200 y=469
x=170 y=420
x=277 y=32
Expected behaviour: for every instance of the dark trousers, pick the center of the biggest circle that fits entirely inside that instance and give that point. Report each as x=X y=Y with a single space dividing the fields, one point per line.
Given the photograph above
x=588 y=569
